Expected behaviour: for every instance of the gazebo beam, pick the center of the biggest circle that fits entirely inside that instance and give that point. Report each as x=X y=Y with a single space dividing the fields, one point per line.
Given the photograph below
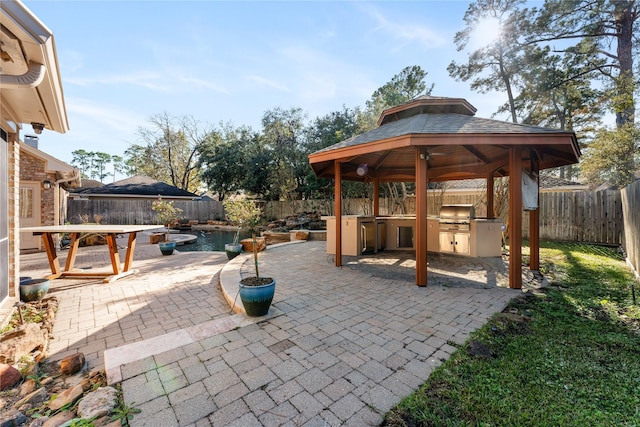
x=477 y=153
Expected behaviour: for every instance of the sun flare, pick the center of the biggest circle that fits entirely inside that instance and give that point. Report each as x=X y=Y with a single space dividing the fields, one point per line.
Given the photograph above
x=486 y=32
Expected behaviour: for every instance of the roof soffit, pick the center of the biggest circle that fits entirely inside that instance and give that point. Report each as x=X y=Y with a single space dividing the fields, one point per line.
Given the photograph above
x=44 y=103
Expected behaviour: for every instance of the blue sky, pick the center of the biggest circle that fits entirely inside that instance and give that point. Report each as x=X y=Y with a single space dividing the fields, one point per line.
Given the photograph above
x=122 y=62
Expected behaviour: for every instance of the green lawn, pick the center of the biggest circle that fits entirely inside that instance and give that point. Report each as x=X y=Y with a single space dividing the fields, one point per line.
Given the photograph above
x=566 y=355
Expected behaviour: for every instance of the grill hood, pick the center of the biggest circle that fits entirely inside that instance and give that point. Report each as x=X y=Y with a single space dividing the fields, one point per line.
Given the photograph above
x=457 y=213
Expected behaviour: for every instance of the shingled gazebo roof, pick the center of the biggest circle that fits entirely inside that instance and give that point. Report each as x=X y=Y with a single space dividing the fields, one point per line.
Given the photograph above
x=457 y=144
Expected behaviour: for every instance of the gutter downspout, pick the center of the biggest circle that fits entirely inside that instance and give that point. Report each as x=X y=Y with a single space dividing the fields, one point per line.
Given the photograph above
x=29 y=80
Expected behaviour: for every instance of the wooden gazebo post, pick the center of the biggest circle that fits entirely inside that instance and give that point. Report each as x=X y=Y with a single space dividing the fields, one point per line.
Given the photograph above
x=421 y=217
x=490 y=196
x=376 y=197
x=534 y=225
x=515 y=217
x=337 y=209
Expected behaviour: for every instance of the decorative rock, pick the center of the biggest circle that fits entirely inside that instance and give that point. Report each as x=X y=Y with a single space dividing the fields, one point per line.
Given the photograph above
x=39 y=422
x=68 y=396
x=273 y=238
x=98 y=403
x=22 y=341
x=156 y=238
x=72 y=364
x=247 y=244
x=28 y=386
x=12 y=417
x=106 y=422
x=59 y=419
x=9 y=376
x=302 y=235
x=38 y=396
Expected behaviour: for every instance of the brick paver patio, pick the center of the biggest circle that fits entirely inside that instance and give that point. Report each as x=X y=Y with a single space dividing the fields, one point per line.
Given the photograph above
x=341 y=347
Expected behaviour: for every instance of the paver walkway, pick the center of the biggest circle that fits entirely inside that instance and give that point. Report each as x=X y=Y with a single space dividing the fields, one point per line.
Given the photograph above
x=167 y=294
x=344 y=345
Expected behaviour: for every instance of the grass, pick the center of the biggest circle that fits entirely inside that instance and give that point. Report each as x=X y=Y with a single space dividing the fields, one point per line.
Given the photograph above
x=566 y=355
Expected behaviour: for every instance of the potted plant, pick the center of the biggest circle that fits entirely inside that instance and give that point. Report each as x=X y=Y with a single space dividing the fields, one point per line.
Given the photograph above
x=167 y=215
x=233 y=249
x=256 y=292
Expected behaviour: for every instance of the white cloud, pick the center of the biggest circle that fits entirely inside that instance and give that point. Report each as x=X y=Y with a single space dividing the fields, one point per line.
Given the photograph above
x=262 y=81
x=406 y=33
x=320 y=76
x=147 y=79
x=200 y=83
x=110 y=118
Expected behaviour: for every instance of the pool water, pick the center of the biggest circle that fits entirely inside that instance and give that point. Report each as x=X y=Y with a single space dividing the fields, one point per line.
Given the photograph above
x=212 y=241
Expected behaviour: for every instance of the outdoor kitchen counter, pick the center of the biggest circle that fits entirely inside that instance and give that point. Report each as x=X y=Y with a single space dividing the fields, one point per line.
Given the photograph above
x=397 y=232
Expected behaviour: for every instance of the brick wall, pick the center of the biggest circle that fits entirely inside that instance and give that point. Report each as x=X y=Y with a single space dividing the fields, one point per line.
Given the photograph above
x=33 y=169
x=14 y=236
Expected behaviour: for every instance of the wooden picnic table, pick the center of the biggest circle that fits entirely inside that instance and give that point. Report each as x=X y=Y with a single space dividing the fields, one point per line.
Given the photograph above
x=75 y=231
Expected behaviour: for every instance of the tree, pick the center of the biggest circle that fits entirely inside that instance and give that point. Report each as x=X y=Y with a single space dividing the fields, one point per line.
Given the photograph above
x=556 y=94
x=493 y=67
x=604 y=33
x=600 y=34
x=283 y=135
x=170 y=151
x=607 y=158
x=321 y=133
x=100 y=162
x=82 y=160
x=223 y=159
x=403 y=87
x=258 y=167
x=118 y=165
x=136 y=161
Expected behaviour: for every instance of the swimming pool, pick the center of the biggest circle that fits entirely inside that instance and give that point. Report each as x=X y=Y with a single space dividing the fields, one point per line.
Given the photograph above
x=211 y=241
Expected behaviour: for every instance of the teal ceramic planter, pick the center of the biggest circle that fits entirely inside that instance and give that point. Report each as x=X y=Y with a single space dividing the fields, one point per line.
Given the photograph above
x=167 y=248
x=232 y=250
x=257 y=299
x=33 y=290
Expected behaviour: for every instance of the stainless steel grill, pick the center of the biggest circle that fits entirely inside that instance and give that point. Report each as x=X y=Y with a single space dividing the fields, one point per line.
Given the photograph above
x=456 y=217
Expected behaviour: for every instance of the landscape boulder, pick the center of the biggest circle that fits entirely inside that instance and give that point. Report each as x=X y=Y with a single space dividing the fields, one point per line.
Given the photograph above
x=21 y=341
x=247 y=244
x=98 y=403
x=72 y=364
x=67 y=397
x=9 y=376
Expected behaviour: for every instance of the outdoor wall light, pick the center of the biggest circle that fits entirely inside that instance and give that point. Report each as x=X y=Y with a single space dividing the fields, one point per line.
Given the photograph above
x=37 y=127
x=46 y=184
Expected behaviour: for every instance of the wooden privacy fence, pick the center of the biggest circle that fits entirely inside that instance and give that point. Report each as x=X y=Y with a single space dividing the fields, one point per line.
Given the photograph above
x=283 y=209
x=631 y=209
x=122 y=212
x=580 y=216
